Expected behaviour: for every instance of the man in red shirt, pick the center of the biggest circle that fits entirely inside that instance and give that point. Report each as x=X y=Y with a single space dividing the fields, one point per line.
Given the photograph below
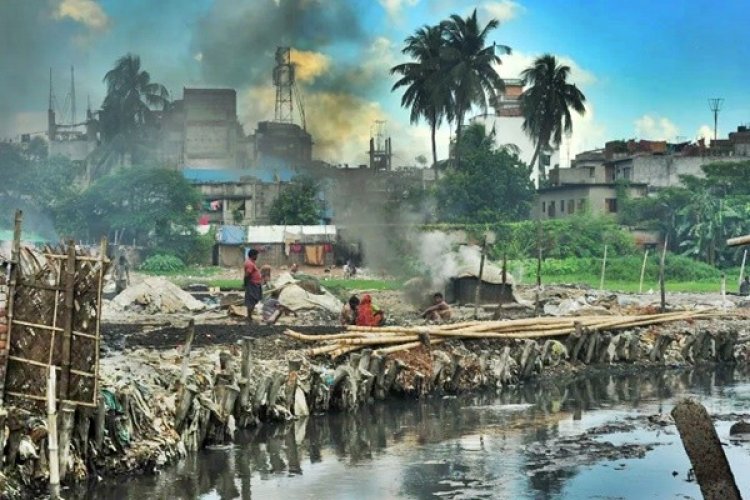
x=253 y=283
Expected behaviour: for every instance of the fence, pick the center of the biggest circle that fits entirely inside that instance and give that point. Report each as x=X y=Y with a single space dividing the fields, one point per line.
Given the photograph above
x=53 y=315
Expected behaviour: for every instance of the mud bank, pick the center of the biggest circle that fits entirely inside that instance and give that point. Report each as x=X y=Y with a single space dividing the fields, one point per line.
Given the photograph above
x=151 y=412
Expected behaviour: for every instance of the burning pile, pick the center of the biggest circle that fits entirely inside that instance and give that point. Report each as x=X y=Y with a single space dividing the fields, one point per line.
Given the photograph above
x=392 y=339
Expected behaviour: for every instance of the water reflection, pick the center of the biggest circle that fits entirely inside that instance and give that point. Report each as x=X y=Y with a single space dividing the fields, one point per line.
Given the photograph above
x=469 y=446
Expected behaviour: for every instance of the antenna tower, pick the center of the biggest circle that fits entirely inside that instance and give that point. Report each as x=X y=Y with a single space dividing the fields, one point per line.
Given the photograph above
x=715 y=104
x=72 y=96
x=283 y=80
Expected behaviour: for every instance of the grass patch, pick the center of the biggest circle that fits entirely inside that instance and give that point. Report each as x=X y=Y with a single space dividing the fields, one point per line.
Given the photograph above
x=632 y=286
x=187 y=272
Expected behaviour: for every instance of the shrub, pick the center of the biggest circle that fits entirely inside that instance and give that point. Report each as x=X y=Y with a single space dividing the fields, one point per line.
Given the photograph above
x=162 y=264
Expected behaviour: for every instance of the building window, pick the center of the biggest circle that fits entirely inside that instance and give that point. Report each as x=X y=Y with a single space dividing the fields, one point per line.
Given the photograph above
x=544 y=207
x=581 y=205
x=592 y=171
x=562 y=206
x=571 y=207
x=551 y=209
x=611 y=205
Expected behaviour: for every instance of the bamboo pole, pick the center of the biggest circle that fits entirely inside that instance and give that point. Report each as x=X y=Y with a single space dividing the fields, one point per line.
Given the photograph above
x=54 y=457
x=405 y=347
x=478 y=290
x=378 y=340
x=661 y=276
x=12 y=279
x=643 y=271
x=742 y=267
x=604 y=268
x=186 y=352
x=723 y=291
x=70 y=284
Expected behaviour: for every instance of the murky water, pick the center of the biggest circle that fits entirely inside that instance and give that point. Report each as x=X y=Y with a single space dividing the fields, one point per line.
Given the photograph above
x=587 y=437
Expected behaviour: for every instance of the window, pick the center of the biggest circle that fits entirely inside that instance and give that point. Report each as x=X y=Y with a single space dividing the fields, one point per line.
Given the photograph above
x=610 y=204
x=581 y=205
x=592 y=171
x=626 y=173
x=562 y=206
x=551 y=209
x=571 y=207
x=544 y=207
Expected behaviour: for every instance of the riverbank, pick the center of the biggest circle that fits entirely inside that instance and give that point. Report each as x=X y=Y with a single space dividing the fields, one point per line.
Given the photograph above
x=148 y=417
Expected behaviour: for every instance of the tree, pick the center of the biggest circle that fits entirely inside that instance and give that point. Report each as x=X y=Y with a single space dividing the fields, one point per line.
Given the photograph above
x=297 y=204
x=154 y=207
x=427 y=91
x=471 y=66
x=491 y=185
x=127 y=116
x=546 y=104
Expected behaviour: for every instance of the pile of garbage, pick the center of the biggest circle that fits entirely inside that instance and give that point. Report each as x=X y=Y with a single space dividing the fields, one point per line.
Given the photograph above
x=300 y=294
x=156 y=295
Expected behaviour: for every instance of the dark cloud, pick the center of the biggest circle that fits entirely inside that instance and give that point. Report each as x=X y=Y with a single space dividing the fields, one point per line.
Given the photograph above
x=238 y=39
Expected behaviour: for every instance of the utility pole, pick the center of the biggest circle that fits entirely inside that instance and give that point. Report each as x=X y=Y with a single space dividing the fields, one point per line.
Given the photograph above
x=715 y=104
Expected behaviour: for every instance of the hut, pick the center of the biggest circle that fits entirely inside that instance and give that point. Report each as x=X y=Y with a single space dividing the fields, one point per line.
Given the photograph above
x=461 y=288
x=277 y=245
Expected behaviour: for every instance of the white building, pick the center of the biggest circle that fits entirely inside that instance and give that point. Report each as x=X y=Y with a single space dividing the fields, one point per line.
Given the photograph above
x=508 y=125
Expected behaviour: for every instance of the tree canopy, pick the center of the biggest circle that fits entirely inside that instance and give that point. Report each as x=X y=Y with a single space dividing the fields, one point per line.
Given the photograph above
x=491 y=185
x=297 y=203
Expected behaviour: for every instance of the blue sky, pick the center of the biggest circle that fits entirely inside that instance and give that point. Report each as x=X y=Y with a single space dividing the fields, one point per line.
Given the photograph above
x=647 y=68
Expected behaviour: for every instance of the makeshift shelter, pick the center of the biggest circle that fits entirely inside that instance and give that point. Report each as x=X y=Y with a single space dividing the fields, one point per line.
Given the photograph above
x=461 y=288
x=278 y=245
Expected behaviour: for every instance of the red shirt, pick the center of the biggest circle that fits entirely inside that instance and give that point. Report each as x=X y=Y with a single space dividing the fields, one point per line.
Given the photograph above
x=252 y=272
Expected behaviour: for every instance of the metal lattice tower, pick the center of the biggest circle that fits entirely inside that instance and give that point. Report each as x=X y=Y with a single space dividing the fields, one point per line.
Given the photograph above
x=715 y=104
x=283 y=80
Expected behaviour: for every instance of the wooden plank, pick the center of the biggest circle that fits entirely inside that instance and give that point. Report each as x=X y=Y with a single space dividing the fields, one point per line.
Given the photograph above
x=44 y=398
x=54 y=329
x=12 y=281
x=739 y=240
x=103 y=260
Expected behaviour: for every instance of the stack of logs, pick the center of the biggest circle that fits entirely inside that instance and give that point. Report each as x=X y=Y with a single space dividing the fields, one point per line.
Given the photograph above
x=396 y=338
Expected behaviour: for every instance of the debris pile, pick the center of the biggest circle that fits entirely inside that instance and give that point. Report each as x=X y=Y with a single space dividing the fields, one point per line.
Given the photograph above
x=156 y=295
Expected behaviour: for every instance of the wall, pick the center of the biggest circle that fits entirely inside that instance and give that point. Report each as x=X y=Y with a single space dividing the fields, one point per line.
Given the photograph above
x=660 y=171
x=583 y=175
x=273 y=255
x=591 y=198
x=73 y=150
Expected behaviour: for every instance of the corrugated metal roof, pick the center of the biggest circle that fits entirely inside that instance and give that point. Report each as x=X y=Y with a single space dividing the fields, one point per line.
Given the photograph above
x=276 y=234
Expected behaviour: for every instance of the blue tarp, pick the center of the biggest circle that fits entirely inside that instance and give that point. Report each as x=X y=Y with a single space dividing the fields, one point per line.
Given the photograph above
x=232 y=235
x=222 y=175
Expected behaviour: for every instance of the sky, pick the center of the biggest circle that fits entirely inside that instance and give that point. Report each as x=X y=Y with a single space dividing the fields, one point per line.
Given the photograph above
x=646 y=68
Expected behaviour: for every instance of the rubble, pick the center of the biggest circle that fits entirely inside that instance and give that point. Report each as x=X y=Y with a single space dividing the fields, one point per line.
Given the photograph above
x=155 y=295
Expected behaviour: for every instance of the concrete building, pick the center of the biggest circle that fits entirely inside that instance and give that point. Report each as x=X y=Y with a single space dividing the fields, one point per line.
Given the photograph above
x=566 y=200
x=507 y=122
x=280 y=144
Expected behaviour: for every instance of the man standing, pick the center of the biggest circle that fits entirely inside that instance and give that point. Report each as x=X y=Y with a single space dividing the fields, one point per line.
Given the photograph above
x=122 y=274
x=253 y=283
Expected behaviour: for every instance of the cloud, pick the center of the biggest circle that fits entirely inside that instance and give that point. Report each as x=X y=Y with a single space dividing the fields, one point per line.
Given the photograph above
x=393 y=7
x=504 y=10
x=655 y=128
x=588 y=134
x=309 y=64
x=705 y=132
x=86 y=12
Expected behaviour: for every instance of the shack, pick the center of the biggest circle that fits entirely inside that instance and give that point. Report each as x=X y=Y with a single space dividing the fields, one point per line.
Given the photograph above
x=277 y=245
x=461 y=288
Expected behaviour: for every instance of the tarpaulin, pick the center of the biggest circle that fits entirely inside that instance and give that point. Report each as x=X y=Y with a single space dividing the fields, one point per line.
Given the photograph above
x=231 y=235
x=315 y=255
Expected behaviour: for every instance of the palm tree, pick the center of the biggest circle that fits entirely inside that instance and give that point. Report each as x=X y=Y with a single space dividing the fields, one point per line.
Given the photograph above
x=546 y=104
x=426 y=91
x=471 y=62
x=128 y=114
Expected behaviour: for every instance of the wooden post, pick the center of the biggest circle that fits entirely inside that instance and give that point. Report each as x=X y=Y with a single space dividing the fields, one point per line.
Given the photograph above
x=68 y=412
x=505 y=266
x=12 y=280
x=742 y=267
x=478 y=290
x=70 y=281
x=54 y=457
x=661 y=276
x=538 y=278
x=186 y=352
x=643 y=271
x=604 y=268
x=704 y=449
x=723 y=290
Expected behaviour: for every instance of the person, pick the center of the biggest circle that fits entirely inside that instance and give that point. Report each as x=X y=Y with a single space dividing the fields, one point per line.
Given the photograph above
x=253 y=283
x=122 y=274
x=368 y=314
x=350 y=270
x=273 y=310
x=439 y=310
x=349 y=311
x=294 y=269
x=745 y=287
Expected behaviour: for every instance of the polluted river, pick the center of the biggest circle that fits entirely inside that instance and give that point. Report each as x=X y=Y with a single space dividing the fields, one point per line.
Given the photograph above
x=596 y=434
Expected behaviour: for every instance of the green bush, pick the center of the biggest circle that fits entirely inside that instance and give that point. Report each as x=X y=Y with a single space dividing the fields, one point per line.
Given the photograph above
x=162 y=264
